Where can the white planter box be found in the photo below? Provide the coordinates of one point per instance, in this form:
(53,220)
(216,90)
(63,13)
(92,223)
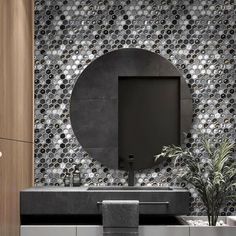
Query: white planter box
(229,230)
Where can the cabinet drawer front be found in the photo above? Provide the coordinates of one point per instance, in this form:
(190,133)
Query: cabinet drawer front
(163,230)
(96,230)
(48,230)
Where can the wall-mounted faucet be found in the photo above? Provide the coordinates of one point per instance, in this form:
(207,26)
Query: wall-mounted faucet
(131,170)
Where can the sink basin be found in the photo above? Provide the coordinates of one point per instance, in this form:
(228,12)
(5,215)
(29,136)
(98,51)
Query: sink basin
(116,188)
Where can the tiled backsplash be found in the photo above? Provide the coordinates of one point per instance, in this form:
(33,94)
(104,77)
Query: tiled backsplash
(198,37)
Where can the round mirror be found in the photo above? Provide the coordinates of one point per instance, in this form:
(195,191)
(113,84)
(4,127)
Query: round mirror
(130,102)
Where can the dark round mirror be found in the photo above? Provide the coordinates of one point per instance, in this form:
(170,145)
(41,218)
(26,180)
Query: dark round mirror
(130,102)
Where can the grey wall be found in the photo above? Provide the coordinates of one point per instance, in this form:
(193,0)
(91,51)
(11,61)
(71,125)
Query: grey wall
(197,38)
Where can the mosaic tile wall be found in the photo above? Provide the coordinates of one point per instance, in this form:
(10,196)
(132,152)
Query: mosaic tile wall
(197,36)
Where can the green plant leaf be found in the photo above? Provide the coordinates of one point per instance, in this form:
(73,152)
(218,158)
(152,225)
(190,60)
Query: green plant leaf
(217,183)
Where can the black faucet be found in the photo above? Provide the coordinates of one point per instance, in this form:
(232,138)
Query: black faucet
(131,170)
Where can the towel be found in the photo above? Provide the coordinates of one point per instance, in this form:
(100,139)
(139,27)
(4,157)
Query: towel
(120,217)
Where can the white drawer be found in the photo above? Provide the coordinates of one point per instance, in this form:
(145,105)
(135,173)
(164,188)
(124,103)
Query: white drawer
(48,230)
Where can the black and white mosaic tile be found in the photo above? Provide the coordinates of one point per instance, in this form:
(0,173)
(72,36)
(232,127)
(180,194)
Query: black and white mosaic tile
(197,36)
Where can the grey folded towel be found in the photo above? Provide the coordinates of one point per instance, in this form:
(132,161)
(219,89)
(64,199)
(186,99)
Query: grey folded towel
(120,217)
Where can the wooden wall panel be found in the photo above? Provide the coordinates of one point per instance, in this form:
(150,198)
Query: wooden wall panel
(15,174)
(16,109)
(16,69)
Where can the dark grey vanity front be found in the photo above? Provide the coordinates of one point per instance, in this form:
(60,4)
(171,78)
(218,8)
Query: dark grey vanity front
(54,204)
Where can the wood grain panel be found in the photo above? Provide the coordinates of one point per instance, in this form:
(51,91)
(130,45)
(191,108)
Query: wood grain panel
(16,69)
(15,175)
(16,109)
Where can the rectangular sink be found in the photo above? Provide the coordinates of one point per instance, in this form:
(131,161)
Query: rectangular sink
(135,188)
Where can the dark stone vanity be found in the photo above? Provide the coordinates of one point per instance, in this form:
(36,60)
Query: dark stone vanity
(55,205)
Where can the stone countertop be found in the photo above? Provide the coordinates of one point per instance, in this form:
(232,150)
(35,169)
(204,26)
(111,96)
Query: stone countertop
(105,188)
(55,189)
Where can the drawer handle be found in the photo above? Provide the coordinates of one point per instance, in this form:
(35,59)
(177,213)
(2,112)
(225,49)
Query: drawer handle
(1,154)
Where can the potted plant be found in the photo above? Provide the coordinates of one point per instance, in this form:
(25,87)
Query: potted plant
(215,180)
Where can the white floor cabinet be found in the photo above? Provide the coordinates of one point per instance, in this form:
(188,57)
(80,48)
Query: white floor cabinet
(144,230)
(48,230)
(149,230)
(93,230)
